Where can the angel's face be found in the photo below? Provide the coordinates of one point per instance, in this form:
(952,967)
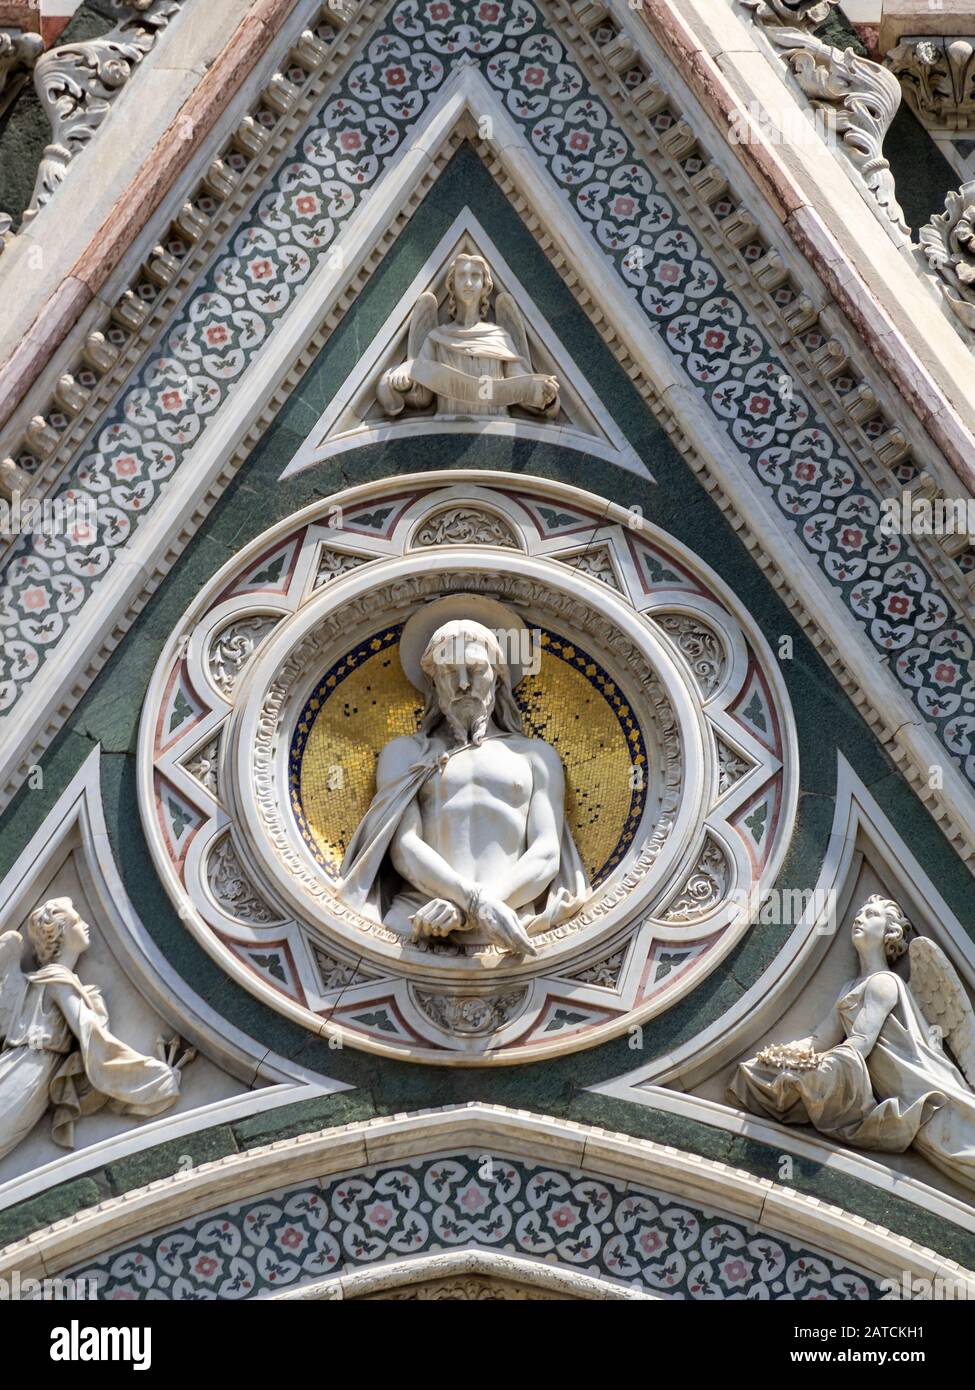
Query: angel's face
(468,280)
(76,936)
(870,926)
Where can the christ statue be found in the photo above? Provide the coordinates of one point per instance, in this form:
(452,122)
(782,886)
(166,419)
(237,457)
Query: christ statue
(466,833)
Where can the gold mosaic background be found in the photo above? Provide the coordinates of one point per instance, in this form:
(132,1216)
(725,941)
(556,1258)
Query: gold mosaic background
(563,704)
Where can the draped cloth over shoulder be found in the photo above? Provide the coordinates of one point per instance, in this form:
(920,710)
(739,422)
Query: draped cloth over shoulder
(366,874)
(101,1069)
(906,1092)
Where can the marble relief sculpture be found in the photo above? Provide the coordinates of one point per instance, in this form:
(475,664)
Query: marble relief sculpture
(468,365)
(55,1045)
(876,1073)
(467,832)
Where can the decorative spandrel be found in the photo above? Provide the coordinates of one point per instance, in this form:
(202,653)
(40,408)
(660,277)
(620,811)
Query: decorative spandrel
(892,1066)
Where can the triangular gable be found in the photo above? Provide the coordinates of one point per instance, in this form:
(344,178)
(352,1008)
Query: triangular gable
(354,417)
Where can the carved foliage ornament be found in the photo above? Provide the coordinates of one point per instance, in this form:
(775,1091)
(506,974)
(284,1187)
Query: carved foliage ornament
(233,647)
(705,888)
(232,888)
(948,242)
(700,646)
(858,97)
(472,1014)
(465,526)
(596,563)
(806,14)
(77,84)
(937,77)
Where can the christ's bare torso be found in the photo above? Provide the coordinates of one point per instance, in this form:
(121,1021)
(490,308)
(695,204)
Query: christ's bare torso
(487,821)
(475,812)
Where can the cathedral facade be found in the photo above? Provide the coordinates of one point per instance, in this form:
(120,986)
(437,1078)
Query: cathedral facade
(487,614)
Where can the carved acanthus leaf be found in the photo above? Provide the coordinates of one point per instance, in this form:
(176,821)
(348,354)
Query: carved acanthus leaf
(232,889)
(233,648)
(937,77)
(203,765)
(706,887)
(605,973)
(333,563)
(597,563)
(340,974)
(804,14)
(701,647)
(470,1015)
(948,242)
(465,526)
(731,766)
(857,97)
(77,84)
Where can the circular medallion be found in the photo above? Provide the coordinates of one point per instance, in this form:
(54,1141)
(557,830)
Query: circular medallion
(543,834)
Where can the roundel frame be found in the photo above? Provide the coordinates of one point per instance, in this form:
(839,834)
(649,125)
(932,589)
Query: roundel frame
(693,668)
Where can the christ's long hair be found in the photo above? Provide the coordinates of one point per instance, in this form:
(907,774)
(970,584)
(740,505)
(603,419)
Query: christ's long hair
(505,710)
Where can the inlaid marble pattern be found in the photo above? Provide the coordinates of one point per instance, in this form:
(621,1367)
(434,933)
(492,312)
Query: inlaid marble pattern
(819,488)
(560,1216)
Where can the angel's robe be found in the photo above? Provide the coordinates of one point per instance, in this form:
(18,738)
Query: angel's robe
(77,1068)
(907,1092)
(475,357)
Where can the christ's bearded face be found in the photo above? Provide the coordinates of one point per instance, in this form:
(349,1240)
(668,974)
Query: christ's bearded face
(464,678)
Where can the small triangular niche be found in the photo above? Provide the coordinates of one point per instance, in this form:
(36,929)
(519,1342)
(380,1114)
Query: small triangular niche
(355,415)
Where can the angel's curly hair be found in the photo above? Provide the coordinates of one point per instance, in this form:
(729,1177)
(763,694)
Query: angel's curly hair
(898,927)
(45,928)
(488,284)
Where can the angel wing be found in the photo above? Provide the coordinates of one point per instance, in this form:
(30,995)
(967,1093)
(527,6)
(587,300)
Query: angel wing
(423,320)
(13,983)
(510,318)
(944,1001)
